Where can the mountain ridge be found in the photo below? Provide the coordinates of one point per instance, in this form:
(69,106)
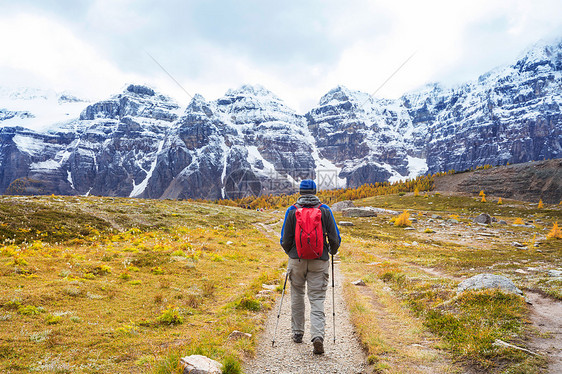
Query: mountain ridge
(140,143)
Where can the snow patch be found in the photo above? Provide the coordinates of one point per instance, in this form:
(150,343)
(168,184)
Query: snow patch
(28,144)
(254,156)
(139,189)
(69,178)
(327,173)
(224,165)
(417,166)
(45,165)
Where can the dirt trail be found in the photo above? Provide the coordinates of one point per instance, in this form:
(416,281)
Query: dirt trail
(546,316)
(287,357)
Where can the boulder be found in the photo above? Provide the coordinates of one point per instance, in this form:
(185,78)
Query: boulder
(358,212)
(358,282)
(346,223)
(384,211)
(264,293)
(486,281)
(234,335)
(341,205)
(555,273)
(197,364)
(483,218)
(436,216)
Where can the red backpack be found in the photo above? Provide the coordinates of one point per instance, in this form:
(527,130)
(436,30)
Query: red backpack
(308,232)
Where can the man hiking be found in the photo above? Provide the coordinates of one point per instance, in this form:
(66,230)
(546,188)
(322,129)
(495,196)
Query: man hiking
(309,235)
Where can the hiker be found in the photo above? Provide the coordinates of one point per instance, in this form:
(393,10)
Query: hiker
(313,272)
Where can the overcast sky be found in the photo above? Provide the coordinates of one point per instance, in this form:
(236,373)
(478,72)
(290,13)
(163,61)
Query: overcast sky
(297,49)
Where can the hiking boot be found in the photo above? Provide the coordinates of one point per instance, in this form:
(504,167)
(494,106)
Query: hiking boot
(318,344)
(297,337)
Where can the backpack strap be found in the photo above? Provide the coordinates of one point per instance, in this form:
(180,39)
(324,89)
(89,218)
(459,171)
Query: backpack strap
(298,206)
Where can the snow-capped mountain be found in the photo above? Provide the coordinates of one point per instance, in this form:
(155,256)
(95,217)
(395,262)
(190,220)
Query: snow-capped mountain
(141,144)
(37,108)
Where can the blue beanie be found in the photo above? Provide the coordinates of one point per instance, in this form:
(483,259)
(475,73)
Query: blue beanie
(307,187)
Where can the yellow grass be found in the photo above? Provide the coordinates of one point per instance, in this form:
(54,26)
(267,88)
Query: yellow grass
(123,301)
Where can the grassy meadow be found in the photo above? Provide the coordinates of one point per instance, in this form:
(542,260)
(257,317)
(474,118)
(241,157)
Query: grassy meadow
(95,285)
(411,273)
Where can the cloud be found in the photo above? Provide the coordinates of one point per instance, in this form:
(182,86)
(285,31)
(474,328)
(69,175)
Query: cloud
(453,41)
(41,52)
(299,50)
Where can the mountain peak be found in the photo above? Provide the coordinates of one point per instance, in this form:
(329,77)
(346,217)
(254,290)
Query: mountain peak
(199,104)
(253,90)
(139,89)
(343,94)
(543,55)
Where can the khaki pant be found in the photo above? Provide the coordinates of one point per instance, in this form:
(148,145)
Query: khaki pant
(315,275)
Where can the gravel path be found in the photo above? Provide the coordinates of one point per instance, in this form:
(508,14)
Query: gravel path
(346,356)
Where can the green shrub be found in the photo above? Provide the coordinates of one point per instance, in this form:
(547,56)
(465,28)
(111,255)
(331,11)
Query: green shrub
(125,275)
(101,270)
(231,366)
(170,316)
(51,320)
(249,303)
(29,310)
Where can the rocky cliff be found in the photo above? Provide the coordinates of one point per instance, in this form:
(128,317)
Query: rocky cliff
(140,143)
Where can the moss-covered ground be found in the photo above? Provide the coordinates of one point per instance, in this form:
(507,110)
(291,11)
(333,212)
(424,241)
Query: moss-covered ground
(420,265)
(96,284)
(92,284)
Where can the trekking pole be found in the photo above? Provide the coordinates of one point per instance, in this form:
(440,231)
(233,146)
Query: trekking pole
(280,304)
(333,302)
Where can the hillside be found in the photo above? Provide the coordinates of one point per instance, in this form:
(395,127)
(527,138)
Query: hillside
(529,181)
